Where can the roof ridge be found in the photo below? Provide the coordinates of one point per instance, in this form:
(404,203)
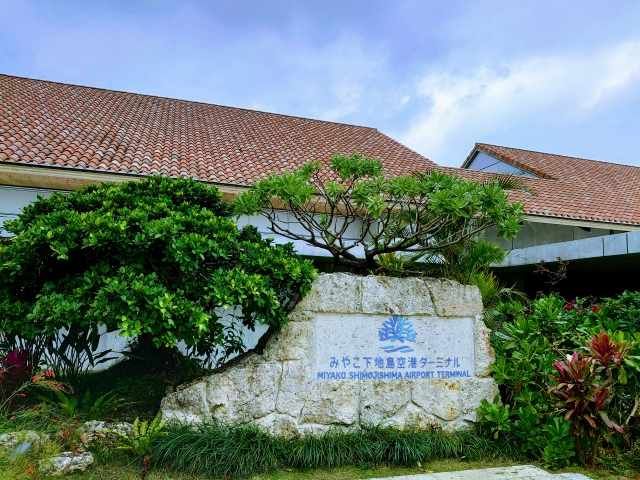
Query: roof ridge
(402,145)
(199,102)
(557,155)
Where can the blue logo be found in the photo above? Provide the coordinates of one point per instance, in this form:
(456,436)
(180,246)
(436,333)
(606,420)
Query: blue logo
(397,329)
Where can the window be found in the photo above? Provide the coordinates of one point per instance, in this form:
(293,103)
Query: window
(483,162)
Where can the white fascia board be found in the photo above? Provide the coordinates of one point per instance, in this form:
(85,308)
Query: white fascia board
(595,247)
(580,223)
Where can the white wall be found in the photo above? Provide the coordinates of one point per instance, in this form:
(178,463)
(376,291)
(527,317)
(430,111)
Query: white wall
(287,220)
(535,233)
(14,199)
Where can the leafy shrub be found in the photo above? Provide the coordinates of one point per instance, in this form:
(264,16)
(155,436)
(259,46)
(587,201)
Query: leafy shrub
(87,406)
(470,263)
(368,221)
(158,259)
(521,425)
(596,388)
(621,313)
(559,449)
(495,419)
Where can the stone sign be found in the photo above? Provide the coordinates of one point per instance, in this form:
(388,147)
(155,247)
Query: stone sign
(357,351)
(392,347)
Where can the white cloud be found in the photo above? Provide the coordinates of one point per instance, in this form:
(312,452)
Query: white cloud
(465,107)
(333,80)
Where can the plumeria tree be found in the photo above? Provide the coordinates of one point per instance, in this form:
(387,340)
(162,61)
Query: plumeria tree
(367,220)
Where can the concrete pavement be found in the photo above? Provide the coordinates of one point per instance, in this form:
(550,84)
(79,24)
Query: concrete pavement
(519,472)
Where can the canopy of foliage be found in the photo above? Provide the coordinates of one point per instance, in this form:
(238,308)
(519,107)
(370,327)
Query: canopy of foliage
(367,220)
(569,375)
(158,259)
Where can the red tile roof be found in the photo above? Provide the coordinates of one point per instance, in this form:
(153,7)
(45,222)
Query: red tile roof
(574,188)
(53,124)
(58,125)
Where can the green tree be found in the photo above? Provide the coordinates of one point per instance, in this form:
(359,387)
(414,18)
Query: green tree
(158,259)
(366,220)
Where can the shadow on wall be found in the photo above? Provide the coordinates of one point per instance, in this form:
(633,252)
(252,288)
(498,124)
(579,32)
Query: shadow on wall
(119,345)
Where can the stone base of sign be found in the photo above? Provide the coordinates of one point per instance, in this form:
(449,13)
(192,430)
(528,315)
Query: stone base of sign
(283,390)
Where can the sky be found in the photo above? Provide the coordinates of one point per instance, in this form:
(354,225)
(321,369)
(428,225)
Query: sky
(556,76)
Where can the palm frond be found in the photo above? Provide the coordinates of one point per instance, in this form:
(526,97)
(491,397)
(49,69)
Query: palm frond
(509,182)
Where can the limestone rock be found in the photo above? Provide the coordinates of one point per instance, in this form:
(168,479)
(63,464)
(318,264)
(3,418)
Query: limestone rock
(97,431)
(411,416)
(452,299)
(294,388)
(279,424)
(187,404)
(380,401)
(440,398)
(22,442)
(291,343)
(334,404)
(484,351)
(473,392)
(334,293)
(66,462)
(411,296)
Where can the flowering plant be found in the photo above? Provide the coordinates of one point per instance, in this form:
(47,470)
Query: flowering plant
(15,370)
(17,377)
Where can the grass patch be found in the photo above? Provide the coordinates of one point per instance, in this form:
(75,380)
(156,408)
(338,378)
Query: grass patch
(224,451)
(38,417)
(25,466)
(221,452)
(122,471)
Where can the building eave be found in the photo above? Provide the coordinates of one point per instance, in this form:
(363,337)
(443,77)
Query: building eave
(627,243)
(581,223)
(60,178)
(470,157)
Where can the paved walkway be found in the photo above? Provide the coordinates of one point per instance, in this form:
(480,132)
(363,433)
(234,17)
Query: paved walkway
(520,472)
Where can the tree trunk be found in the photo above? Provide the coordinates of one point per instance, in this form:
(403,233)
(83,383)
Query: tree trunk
(156,358)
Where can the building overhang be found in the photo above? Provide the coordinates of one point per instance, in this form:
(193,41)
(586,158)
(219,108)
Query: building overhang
(580,223)
(58,178)
(627,243)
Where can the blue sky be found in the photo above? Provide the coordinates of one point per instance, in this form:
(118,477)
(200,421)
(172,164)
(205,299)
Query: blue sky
(554,76)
